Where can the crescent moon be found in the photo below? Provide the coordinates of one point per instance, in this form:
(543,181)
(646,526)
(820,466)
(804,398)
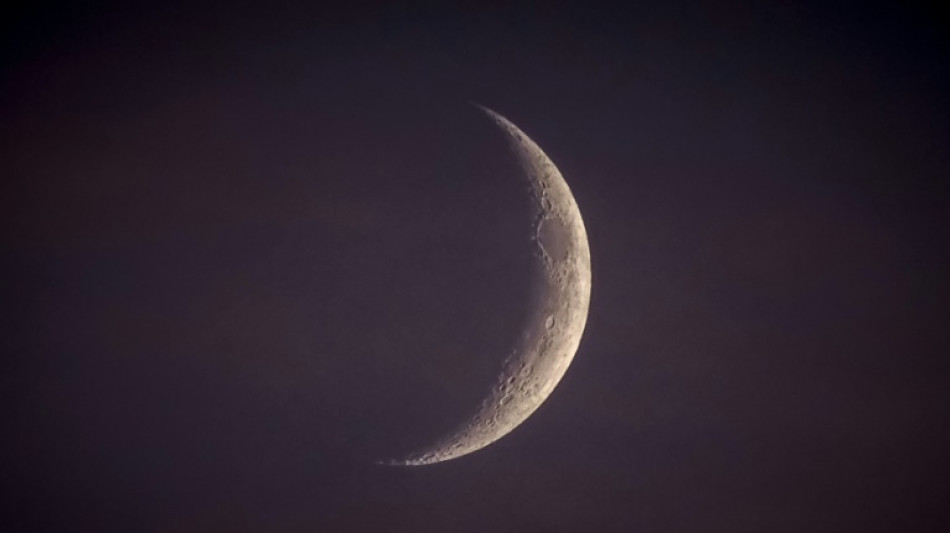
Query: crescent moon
(560,298)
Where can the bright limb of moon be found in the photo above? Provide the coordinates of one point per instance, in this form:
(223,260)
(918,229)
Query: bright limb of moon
(560,298)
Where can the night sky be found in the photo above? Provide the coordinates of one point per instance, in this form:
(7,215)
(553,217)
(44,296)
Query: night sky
(249,249)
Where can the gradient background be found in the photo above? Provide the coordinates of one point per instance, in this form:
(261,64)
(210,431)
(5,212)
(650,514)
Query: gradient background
(248,249)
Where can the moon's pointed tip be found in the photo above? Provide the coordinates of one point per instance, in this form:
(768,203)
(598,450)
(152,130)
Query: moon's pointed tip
(487,110)
(413,460)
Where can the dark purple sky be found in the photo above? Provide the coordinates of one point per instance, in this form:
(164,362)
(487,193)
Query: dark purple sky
(249,249)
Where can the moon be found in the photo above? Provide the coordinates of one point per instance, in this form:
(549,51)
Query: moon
(560,297)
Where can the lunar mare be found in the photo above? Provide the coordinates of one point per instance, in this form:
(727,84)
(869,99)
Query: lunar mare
(560,296)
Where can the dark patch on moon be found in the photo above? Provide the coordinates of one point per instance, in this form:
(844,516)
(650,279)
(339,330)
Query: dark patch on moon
(553,238)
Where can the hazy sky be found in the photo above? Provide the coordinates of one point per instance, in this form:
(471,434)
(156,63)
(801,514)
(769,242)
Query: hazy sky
(249,249)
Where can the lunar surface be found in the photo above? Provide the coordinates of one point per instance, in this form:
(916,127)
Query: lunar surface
(560,296)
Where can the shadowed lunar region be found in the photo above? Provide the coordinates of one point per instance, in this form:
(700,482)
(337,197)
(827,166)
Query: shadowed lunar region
(560,297)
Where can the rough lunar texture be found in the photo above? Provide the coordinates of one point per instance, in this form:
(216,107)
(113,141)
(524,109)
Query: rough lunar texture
(561,295)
